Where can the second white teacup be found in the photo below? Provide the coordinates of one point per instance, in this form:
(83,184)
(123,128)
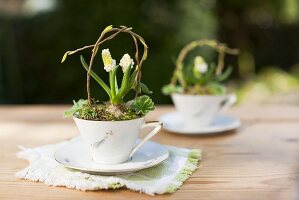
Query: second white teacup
(200,110)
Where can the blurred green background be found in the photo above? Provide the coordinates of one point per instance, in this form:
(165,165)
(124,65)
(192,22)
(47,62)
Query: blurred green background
(34,34)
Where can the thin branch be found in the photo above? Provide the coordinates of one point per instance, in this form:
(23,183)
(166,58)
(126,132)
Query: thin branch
(83,48)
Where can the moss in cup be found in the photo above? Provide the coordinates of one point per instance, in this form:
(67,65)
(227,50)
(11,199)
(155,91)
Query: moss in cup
(116,109)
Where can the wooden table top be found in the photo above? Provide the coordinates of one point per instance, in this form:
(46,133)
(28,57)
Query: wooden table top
(259,161)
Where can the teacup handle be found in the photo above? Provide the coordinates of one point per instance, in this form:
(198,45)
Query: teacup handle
(158,127)
(230,100)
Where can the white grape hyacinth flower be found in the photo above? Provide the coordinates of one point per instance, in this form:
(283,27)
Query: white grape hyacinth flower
(200,64)
(126,61)
(109,63)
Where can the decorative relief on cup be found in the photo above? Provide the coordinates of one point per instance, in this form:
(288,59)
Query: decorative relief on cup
(99,143)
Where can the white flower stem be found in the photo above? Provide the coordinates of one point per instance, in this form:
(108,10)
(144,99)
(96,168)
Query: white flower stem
(112,76)
(124,86)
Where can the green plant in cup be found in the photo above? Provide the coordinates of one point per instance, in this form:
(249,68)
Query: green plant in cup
(199,77)
(129,79)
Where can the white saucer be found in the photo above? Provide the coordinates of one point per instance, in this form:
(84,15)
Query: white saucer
(174,122)
(76,156)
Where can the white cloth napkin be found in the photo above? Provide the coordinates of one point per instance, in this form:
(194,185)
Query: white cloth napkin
(166,177)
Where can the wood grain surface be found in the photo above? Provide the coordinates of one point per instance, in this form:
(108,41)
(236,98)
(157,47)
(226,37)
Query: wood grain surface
(258,161)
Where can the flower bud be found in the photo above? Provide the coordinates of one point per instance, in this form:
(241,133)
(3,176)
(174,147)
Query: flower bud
(200,64)
(126,61)
(109,63)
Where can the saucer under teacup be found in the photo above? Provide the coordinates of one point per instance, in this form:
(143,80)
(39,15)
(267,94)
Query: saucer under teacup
(175,122)
(76,156)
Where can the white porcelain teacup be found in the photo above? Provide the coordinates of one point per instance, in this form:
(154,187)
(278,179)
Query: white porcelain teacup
(200,110)
(114,142)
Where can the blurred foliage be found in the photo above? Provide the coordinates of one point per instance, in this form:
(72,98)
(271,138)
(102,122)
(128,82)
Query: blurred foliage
(265,31)
(30,65)
(31,46)
(269,82)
